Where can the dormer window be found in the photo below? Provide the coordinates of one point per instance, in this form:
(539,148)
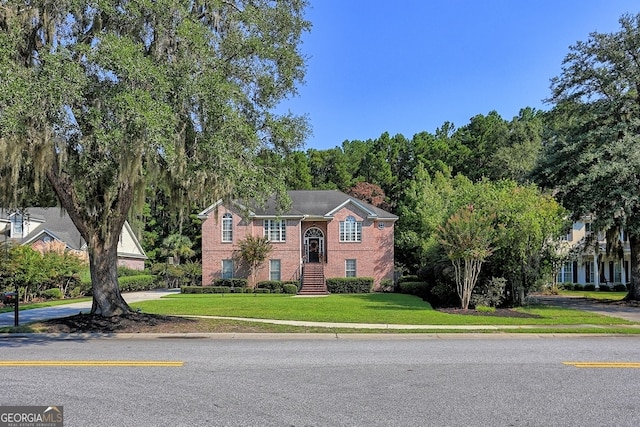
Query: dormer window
(17,225)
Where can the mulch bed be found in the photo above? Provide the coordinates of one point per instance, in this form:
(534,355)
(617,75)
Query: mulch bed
(500,312)
(126,323)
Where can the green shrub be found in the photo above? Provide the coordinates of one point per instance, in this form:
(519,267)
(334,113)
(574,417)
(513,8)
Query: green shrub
(290,288)
(567,286)
(232,283)
(80,290)
(589,287)
(139,283)
(126,271)
(485,309)
(261,291)
(604,288)
(578,287)
(53,293)
(419,289)
(620,288)
(247,290)
(409,278)
(386,285)
(85,276)
(443,294)
(210,290)
(490,294)
(350,285)
(272,285)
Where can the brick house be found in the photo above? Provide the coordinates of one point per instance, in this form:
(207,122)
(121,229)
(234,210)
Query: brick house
(41,225)
(324,234)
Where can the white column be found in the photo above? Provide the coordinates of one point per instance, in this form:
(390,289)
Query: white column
(596,270)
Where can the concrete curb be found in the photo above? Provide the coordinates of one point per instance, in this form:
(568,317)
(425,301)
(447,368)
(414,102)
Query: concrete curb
(18,339)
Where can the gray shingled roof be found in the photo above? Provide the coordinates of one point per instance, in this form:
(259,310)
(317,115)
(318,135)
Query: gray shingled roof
(56,223)
(318,203)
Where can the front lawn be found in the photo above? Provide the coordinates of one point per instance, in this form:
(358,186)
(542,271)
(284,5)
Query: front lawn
(356,308)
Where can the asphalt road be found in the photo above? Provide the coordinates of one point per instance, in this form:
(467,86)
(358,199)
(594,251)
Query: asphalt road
(275,380)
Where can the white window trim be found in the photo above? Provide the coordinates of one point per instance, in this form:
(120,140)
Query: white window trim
(354,231)
(17,219)
(347,270)
(271,270)
(275,228)
(227,220)
(223,270)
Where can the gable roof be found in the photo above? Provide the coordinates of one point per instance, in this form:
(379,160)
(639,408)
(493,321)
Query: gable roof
(310,204)
(56,223)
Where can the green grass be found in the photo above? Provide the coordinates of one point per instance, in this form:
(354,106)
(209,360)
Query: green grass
(358,308)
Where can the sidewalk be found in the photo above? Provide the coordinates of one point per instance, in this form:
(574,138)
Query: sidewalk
(39,314)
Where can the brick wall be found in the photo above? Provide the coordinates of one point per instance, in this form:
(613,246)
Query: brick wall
(373,255)
(214,250)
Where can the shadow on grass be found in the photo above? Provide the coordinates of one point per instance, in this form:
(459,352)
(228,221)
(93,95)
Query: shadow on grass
(387,301)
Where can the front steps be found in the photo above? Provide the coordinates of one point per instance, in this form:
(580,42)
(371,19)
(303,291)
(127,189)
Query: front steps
(313,282)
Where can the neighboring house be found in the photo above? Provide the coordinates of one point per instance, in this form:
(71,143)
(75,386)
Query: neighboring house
(590,263)
(40,225)
(324,234)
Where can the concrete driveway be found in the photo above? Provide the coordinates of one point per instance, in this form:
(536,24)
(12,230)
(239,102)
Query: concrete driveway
(39,314)
(627,312)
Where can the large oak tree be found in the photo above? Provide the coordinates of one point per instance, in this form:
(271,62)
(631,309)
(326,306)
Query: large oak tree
(592,156)
(100,97)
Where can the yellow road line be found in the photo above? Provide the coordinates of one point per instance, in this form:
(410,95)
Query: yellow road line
(92,363)
(603,364)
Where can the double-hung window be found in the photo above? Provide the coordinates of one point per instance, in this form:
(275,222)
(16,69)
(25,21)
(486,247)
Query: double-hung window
(350,230)
(350,268)
(227,269)
(566,273)
(227,227)
(275,230)
(274,269)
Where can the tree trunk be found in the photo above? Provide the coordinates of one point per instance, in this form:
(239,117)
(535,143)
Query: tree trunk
(103,264)
(102,234)
(634,283)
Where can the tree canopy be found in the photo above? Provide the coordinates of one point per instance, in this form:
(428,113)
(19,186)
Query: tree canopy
(99,98)
(592,154)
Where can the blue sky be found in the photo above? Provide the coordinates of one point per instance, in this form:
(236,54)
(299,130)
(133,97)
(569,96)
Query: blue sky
(407,66)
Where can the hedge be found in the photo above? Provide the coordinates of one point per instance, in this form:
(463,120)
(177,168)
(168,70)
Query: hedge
(272,285)
(277,286)
(212,290)
(289,288)
(620,288)
(232,283)
(52,293)
(141,282)
(419,289)
(350,285)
